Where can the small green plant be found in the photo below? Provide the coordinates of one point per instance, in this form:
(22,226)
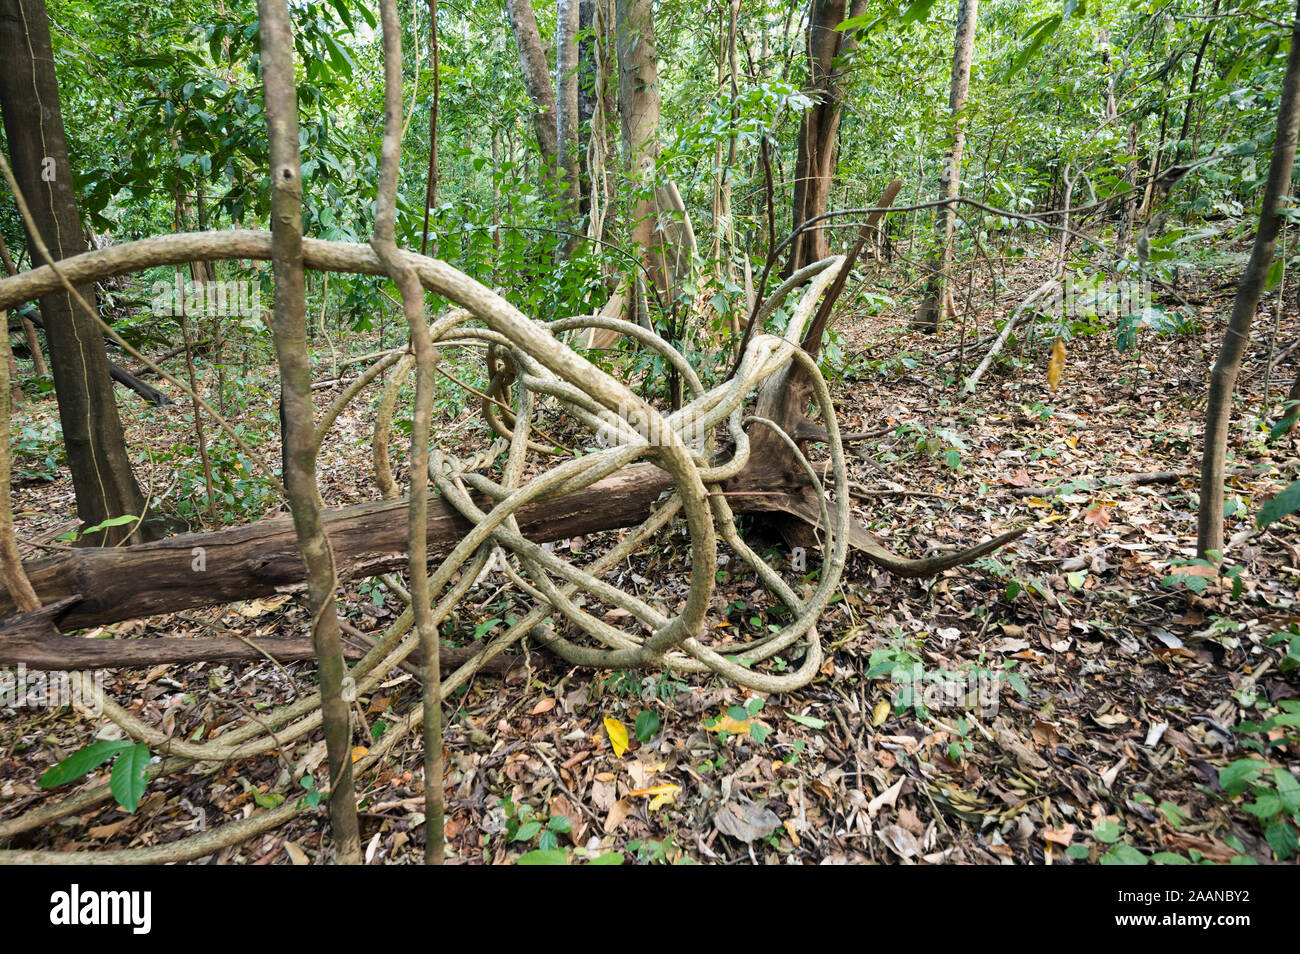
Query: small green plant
(1275,800)
(742,716)
(1291,637)
(312,798)
(523,824)
(127,781)
(651,852)
(1184,573)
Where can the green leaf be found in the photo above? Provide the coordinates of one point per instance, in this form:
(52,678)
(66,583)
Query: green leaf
(555,856)
(1124,855)
(809,721)
(79,763)
(1041,33)
(609,858)
(560,823)
(1234,778)
(128,781)
(1107,832)
(1281,837)
(1288,790)
(529,831)
(1274,273)
(647,724)
(1169,858)
(1287,502)
(918,10)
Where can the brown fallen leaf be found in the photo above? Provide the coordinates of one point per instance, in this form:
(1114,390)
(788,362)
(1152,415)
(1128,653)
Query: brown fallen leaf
(1028,760)
(745,820)
(1061,836)
(618,813)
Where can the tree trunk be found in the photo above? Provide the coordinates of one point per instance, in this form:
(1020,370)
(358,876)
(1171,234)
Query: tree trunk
(945,220)
(29,100)
(819,125)
(566,103)
(537,81)
(638,103)
(1223,379)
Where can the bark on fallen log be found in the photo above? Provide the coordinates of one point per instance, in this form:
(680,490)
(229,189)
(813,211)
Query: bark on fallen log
(203,569)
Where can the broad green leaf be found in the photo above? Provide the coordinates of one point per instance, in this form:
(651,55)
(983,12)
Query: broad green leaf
(1286,502)
(555,856)
(918,10)
(1235,777)
(1107,832)
(809,721)
(1124,855)
(128,781)
(79,763)
(647,724)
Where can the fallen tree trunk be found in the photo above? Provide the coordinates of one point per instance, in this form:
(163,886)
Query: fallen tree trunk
(96,586)
(202,569)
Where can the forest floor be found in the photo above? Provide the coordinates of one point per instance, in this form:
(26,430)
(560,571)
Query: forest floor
(1110,683)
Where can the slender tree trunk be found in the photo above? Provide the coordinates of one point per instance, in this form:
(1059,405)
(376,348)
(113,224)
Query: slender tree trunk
(605,133)
(932,305)
(289,324)
(566,102)
(1183,148)
(431,181)
(1223,379)
(819,125)
(92,431)
(638,101)
(537,81)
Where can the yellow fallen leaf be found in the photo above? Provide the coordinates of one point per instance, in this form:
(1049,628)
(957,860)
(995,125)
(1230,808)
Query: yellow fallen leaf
(727,724)
(359,752)
(1057,365)
(654,790)
(665,794)
(617,732)
(881,712)
(788,825)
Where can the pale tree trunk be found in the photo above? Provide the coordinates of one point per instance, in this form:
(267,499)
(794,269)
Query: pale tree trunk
(933,304)
(289,324)
(819,126)
(92,431)
(603,155)
(638,101)
(566,101)
(727,63)
(537,81)
(1223,379)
